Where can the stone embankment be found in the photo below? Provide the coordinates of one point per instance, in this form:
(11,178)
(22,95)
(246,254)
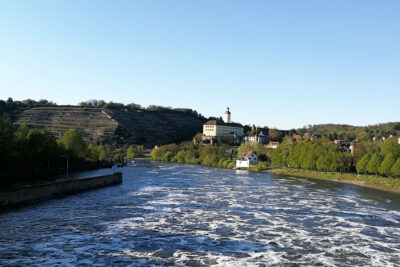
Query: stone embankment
(35,193)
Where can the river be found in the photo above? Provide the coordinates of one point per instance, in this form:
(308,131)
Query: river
(170,214)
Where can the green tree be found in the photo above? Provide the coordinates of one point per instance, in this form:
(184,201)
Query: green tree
(73,141)
(386,165)
(280,155)
(390,146)
(324,162)
(361,166)
(210,155)
(295,158)
(341,161)
(275,135)
(374,163)
(395,170)
(134,151)
(168,156)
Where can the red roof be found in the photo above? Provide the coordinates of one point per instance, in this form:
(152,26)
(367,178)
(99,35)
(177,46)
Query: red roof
(273,144)
(211,122)
(215,122)
(248,153)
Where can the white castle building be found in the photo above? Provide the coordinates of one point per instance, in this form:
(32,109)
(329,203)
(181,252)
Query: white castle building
(216,128)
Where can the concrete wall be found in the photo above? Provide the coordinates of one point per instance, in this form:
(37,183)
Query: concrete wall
(35,193)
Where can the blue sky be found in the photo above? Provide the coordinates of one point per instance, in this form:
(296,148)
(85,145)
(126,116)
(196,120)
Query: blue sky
(282,64)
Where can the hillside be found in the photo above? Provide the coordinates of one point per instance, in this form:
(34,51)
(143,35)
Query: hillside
(101,125)
(349,132)
(157,127)
(94,124)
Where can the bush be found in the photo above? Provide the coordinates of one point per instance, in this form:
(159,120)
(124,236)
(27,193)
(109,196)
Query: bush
(231,165)
(167,156)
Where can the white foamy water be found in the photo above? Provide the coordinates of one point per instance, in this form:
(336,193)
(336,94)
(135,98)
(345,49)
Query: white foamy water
(167,214)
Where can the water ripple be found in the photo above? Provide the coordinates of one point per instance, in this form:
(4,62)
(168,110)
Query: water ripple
(166,214)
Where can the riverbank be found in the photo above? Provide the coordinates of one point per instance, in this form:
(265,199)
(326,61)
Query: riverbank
(39,192)
(380,183)
(371,181)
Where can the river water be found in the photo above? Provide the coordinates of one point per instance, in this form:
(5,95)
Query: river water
(169,214)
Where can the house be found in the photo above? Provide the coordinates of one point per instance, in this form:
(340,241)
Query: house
(260,137)
(337,141)
(273,145)
(296,136)
(213,129)
(249,158)
(351,147)
(307,136)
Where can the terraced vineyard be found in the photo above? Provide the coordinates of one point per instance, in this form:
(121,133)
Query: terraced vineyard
(99,125)
(94,124)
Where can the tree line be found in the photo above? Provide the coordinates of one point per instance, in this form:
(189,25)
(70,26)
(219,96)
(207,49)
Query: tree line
(136,107)
(32,154)
(219,155)
(368,157)
(13,108)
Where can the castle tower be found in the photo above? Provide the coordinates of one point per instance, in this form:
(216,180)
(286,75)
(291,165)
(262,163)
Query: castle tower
(227,116)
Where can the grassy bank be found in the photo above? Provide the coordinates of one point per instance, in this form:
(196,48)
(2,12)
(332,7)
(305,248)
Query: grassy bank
(380,183)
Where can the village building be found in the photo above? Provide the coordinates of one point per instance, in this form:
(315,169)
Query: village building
(248,159)
(337,141)
(296,136)
(260,137)
(213,129)
(273,145)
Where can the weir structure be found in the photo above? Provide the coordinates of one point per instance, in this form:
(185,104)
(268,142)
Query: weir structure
(36,193)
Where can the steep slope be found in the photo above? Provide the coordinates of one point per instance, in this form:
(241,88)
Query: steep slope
(94,124)
(115,126)
(157,127)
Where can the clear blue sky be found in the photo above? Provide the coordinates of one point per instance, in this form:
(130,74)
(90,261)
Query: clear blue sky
(282,64)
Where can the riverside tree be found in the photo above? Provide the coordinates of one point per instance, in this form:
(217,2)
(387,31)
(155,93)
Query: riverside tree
(73,140)
(374,163)
(361,166)
(386,165)
(395,170)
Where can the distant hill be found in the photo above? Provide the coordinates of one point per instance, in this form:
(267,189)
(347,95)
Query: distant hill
(101,125)
(349,132)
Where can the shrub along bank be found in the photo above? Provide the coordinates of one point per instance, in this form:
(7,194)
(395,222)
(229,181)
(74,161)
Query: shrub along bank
(220,155)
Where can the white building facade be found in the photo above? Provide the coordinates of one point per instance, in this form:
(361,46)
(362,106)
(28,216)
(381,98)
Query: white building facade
(248,159)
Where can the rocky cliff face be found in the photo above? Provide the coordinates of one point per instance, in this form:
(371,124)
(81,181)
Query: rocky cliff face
(108,126)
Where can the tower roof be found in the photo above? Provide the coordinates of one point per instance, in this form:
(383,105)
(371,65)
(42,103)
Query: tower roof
(227,111)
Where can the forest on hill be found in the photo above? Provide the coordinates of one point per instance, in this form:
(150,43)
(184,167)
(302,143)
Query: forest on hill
(351,133)
(108,123)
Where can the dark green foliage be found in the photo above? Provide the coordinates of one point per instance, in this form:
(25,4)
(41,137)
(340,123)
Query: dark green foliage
(14,108)
(29,154)
(341,161)
(275,135)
